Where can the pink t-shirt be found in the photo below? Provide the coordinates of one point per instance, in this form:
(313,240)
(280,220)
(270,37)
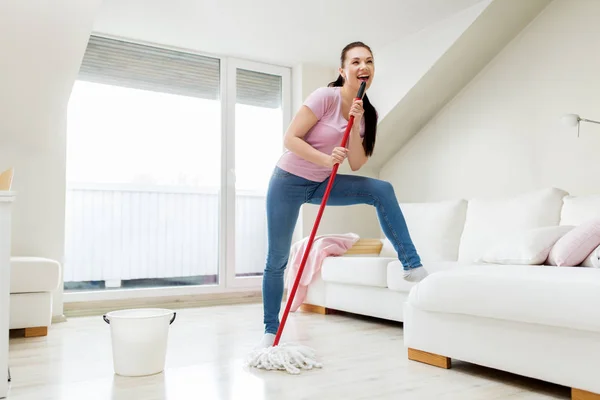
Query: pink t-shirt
(327,133)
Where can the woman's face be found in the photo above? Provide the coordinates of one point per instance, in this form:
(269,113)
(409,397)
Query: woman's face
(358,67)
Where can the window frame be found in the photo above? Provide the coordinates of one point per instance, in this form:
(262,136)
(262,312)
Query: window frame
(228,282)
(232,281)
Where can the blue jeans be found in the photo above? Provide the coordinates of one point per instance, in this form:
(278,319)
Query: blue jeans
(286,194)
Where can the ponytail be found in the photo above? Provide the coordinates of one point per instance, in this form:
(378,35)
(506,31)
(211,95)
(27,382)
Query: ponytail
(370,117)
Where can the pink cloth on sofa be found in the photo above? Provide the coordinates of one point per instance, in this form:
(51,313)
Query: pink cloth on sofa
(323,246)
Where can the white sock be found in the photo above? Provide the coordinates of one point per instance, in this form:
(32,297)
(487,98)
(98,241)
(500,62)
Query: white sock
(266,341)
(415,274)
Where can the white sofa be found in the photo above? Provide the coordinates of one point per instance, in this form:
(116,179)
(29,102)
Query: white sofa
(505,315)
(32,282)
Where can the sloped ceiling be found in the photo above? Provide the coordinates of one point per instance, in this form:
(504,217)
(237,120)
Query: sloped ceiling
(499,23)
(42,45)
(281,32)
(426,50)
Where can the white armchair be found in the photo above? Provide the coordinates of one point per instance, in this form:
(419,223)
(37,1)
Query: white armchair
(32,281)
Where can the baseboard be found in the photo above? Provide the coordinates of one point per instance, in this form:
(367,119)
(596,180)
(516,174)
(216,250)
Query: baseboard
(93,308)
(56,319)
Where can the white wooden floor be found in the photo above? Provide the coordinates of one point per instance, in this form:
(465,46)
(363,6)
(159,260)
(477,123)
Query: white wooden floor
(363,359)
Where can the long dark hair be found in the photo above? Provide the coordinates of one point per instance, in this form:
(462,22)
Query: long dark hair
(370,114)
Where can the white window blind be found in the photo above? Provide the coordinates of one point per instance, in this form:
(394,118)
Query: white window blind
(258,89)
(138,66)
(121,63)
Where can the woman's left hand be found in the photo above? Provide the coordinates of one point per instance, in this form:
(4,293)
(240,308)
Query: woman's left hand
(357,110)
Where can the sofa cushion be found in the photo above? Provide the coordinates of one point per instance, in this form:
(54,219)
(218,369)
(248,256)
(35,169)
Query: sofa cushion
(557,296)
(365,271)
(489,220)
(579,209)
(435,228)
(33,274)
(396,282)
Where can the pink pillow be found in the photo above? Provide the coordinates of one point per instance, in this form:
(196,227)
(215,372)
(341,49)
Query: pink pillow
(575,246)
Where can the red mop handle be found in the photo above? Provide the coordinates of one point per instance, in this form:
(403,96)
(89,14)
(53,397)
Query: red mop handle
(359,96)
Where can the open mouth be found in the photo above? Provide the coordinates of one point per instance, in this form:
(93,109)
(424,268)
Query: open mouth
(363,78)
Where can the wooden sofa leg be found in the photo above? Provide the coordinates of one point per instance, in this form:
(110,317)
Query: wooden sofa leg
(578,394)
(29,332)
(316,309)
(429,358)
(37,331)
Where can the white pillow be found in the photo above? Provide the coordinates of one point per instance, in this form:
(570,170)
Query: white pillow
(491,219)
(435,228)
(529,247)
(580,209)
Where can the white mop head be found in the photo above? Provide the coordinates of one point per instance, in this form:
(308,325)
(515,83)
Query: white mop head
(286,357)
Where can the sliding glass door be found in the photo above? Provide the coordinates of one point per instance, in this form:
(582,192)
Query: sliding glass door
(259,112)
(168,158)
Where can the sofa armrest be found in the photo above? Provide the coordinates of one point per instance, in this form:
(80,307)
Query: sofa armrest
(365,246)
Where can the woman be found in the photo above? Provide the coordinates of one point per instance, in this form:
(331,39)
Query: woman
(303,171)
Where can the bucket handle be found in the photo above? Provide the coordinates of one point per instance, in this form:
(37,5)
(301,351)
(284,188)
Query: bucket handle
(108,321)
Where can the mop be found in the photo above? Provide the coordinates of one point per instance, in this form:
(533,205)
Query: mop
(288,356)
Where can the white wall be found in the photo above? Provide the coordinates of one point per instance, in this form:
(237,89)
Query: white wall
(42,44)
(502,135)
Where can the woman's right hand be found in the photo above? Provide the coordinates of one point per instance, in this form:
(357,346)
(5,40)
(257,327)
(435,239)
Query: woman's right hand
(338,155)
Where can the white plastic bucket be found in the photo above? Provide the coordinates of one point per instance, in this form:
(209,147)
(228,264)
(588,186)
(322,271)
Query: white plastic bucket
(139,340)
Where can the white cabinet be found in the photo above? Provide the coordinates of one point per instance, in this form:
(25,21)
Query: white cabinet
(6,199)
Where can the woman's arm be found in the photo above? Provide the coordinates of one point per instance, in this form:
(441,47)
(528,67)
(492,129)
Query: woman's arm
(356,154)
(294,139)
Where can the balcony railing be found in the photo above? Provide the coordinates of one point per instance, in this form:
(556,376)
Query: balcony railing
(124,232)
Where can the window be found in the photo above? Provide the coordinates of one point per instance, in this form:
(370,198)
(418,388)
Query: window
(165,184)
(258,142)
